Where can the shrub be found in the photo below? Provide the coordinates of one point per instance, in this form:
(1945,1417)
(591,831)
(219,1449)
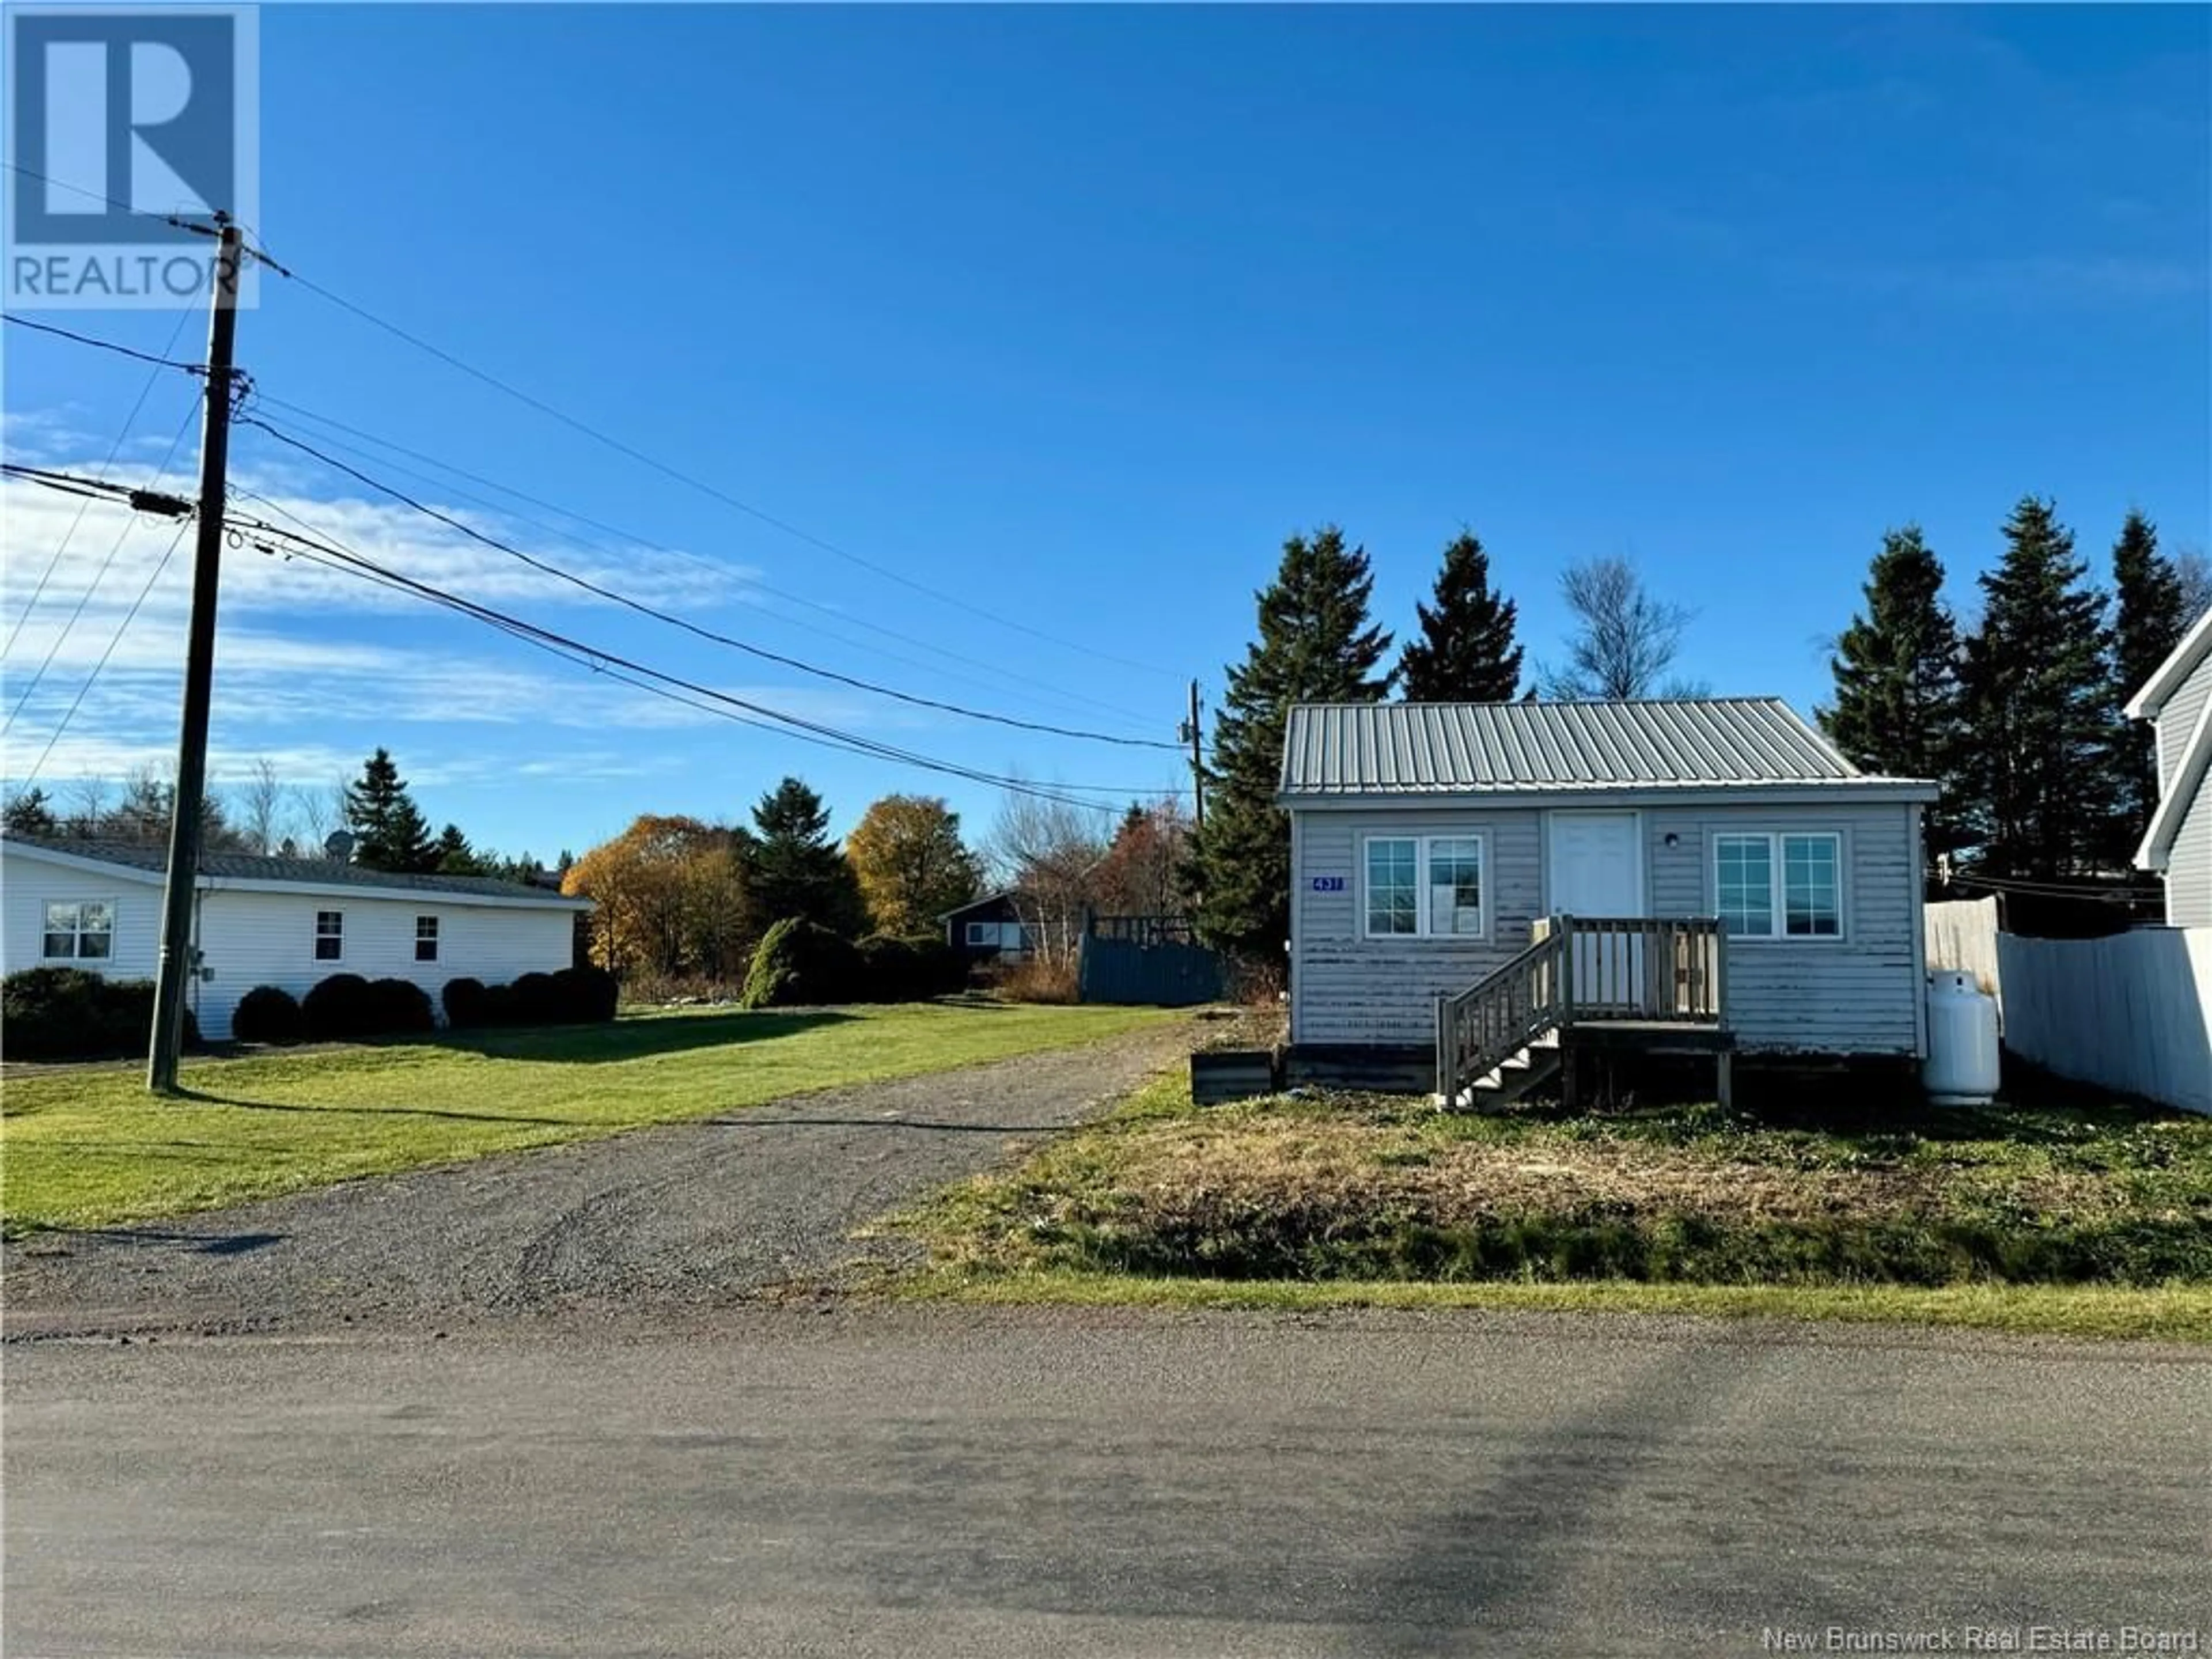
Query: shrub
(501,1007)
(586,996)
(268,1013)
(400,1007)
(890,971)
(466,1003)
(339,1009)
(537,999)
(66,1013)
(800,963)
(1037,980)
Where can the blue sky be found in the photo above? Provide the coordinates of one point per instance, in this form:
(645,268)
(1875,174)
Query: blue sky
(1075,314)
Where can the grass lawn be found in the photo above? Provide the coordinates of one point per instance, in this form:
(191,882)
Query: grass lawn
(90,1148)
(2091,1221)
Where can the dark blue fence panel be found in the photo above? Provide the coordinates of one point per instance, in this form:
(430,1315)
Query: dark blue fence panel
(1167,976)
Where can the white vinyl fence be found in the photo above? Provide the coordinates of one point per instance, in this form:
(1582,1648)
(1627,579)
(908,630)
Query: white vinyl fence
(1962,933)
(2131,1012)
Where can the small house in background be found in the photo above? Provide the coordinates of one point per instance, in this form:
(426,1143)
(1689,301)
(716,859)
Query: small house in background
(286,923)
(990,929)
(2177,703)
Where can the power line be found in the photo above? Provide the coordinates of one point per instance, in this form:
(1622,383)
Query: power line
(121,629)
(99,575)
(671,619)
(720,567)
(115,346)
(692,482)
(114,449)
(600,660)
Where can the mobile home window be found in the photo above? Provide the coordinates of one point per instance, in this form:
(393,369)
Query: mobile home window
(329,935)
(426,938)
(982,932)
(1805,901)
(1429,886)
(82,932)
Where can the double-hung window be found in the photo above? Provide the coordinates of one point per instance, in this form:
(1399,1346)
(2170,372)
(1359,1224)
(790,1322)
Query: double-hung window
(426,938)
(80,932)
(1779,886)
(330,936)
(1424,886)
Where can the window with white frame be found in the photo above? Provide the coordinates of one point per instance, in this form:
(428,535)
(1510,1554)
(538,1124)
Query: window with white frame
(426,938)
(82,931)
(329,935)
(1777,885)
(982,932)
(1430,886)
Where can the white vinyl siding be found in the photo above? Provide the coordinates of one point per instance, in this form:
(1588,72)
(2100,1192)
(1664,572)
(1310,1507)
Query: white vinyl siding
(81,931)
(1857,992)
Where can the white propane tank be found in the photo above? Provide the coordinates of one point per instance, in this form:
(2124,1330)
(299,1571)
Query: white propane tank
(1962,1042)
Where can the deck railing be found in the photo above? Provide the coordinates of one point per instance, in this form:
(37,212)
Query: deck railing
(1671,970)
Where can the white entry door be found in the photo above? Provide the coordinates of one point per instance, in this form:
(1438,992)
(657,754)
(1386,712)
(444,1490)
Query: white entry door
(1596,870)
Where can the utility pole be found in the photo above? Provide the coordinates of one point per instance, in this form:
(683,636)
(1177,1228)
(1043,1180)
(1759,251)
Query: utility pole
(176,965)
(1196,734)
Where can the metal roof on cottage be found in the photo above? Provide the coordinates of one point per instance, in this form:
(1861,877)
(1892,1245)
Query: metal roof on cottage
(1475,748)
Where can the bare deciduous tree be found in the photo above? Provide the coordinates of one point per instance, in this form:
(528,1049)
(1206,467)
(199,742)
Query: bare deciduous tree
(1626,637)
(2195,571)
(1047,851)
(317,812)
(261,808)
(87,805)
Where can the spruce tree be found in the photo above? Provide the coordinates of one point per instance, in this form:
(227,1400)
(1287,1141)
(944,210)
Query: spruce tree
(2148,622)
(389,833)
(1896,709)
(1316,645)
(2039,706)
(794,869)
(1466,651)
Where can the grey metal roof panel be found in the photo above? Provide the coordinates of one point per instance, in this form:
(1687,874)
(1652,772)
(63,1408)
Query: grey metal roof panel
(1463,748)
(248,866)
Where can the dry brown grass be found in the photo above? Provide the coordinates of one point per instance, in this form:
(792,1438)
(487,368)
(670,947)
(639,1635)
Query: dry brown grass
(1037,980)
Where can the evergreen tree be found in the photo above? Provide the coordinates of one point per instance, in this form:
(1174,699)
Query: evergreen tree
(389,833)
(2039,707)
(31,814)
(794,869)
(1896,710)
(1316,645)
(2148,623)
(455,857)
(1466,651)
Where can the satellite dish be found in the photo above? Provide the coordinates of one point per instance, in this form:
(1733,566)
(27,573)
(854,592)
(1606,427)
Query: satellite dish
(339,845)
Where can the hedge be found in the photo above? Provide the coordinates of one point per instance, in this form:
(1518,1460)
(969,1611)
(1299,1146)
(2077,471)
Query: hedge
(894,970)
(575,996)
(399,1007)
(66,1013)
(268,1013)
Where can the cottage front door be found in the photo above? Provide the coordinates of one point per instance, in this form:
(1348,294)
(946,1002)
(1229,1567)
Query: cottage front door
(1596,870)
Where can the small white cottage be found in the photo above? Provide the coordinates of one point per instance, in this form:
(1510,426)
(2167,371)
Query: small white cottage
(287,922)
(1496,882)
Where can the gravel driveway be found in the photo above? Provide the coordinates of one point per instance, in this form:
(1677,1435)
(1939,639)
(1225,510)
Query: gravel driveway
(686,1216)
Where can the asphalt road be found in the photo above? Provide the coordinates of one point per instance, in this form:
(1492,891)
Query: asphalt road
(930,1483)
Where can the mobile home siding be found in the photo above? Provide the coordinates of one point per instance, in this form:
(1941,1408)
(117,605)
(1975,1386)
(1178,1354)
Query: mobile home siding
(1859,994)
(31,884)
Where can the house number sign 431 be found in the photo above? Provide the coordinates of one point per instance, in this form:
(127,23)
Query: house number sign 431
(1328,883)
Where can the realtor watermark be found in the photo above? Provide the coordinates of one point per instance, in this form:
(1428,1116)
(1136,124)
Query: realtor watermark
(1982,1639)
(126,126)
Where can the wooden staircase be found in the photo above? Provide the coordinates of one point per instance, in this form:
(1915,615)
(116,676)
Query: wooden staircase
(1652,983)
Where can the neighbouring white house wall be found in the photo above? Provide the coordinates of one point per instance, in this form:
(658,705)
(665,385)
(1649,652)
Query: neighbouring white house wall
(1860,994)
(250,938)
(2131,1012)
(1962,934)
(28,885)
